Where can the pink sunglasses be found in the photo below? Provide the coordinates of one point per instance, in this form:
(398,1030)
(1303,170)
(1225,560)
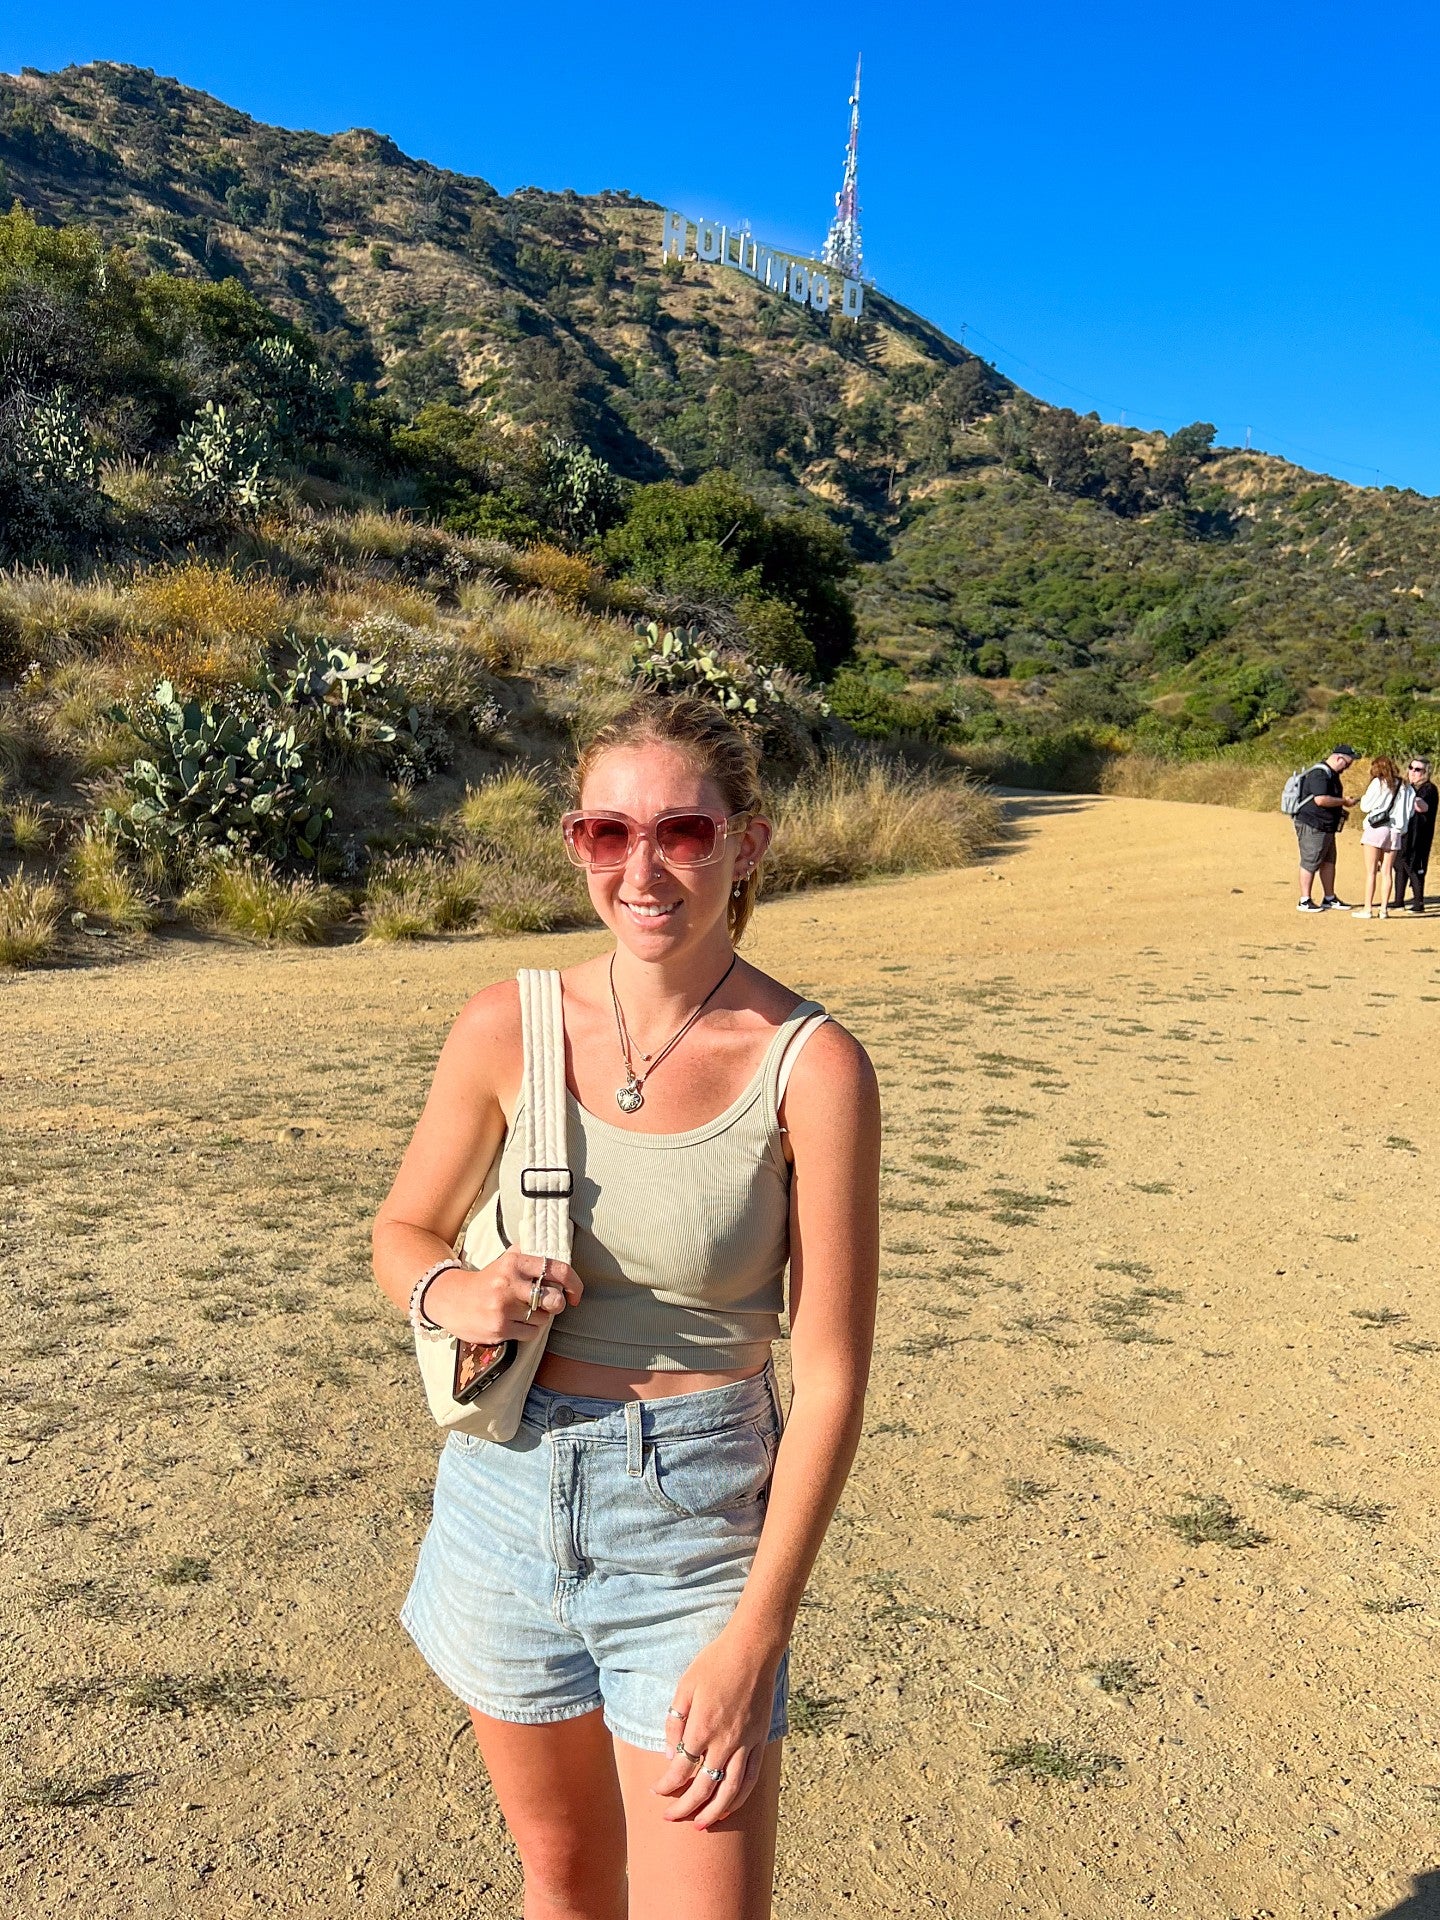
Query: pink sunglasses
(681,836)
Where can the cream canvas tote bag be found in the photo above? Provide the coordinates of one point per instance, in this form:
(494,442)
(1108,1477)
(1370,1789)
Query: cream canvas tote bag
(546,1184)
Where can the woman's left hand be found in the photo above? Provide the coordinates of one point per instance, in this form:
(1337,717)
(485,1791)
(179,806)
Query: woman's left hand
(726,1697)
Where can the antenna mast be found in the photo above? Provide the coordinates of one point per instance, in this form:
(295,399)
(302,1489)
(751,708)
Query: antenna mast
(842,243)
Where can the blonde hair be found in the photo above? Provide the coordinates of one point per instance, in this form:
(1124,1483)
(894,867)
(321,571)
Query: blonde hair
(714,745)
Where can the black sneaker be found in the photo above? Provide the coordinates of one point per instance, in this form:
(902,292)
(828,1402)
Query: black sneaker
(1309,906)
(1331,900)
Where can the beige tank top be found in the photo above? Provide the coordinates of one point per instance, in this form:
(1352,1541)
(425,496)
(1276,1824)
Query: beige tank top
(681,1239)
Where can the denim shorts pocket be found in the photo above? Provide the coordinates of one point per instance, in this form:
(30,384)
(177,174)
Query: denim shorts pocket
(696,1474)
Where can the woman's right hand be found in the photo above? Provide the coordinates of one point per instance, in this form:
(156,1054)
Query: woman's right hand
(489,1304)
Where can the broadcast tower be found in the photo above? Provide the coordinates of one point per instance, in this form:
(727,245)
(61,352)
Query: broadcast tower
(842,243)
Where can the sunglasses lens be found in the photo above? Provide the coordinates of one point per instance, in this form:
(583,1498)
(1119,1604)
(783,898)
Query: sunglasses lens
(599,842)
(686,839)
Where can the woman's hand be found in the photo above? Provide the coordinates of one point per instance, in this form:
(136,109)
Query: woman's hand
(721,1716)
(489,1304)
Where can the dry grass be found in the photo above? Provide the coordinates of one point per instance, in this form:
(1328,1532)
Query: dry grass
(31,826)
(258,903)
(852,819)
(523,635)
(102,884)
(203,626)
(508,812)
(1214,783)
(29,916)
(54,617)
(490,890)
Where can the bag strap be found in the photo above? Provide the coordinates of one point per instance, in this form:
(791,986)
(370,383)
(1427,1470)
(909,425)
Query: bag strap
(546,1182)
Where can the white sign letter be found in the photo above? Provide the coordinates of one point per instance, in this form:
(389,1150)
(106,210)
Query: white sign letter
(707,240)
(674,238)
(820,292)
(854,299)
(799,283)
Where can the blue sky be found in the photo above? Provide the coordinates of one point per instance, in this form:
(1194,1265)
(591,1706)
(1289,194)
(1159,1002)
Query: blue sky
(1225,214)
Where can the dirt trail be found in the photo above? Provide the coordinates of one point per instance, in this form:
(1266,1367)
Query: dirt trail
(1159,1230)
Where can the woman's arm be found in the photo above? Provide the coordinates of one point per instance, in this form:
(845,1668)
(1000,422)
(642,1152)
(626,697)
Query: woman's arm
(456,1137)
(832,1113)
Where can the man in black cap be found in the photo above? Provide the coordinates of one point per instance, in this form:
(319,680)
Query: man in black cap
(1414,855)
(1318,818)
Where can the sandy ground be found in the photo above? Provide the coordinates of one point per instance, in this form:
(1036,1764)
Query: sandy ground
(1160,1228)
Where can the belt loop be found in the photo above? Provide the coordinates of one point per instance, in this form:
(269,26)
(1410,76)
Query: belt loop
(634,1440)
(774,1386)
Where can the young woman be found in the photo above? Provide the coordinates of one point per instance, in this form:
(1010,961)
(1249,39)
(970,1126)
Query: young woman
(1389,802)
(612,1592)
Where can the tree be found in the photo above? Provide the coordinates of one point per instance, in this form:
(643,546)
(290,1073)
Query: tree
(1061,446)
(1185,452)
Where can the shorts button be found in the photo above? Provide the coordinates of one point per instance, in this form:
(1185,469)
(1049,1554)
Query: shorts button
(564,1417)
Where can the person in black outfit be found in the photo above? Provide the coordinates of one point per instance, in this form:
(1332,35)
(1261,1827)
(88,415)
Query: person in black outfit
(1414,854)
(1319,817)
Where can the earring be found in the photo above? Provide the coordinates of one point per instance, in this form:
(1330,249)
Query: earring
(739,887)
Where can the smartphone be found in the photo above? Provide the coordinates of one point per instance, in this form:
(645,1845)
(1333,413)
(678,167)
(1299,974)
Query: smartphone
(476,1365)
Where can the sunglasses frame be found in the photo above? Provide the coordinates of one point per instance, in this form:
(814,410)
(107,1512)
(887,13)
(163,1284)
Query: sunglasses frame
(725,825)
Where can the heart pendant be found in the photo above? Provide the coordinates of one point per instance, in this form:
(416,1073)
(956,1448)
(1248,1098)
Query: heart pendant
(629,1098)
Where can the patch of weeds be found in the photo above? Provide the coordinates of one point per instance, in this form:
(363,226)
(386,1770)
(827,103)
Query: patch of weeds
(1347,1239)
(1027,1493)
(1211,1521)
(97,1598)
(812,1712)
(1416,1346)
(958,1519)
(1329,1440)
(1081,1157)
(1379,1316)
(1364,1513)
(1120,1678)
(1125,1316)
(1283,1490)
(1132,1269)
(1017,1208)
(75,1790)
(312,1486)
(1389,1606)
(1155,1113)
(1053,1760)
(1152,1186)
(1082,1444)
(55,1517)
(921,1343)
(231,1691)
(906,1246)
(943,1162)
(900,1428)
(1399,1144)
(183,1570)
(892,1607)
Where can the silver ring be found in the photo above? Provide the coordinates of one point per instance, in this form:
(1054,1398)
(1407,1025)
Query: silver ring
(685,1753)
(674,1713)
(715,1773)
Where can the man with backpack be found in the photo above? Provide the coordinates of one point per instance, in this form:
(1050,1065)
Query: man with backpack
(1319,813)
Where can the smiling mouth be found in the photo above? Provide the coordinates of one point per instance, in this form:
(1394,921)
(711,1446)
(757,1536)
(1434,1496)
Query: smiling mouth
(649,913)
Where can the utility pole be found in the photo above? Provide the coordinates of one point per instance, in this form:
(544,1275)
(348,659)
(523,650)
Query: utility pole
(842,244)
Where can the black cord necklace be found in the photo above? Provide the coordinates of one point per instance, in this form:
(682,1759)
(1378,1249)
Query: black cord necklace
(631,1097)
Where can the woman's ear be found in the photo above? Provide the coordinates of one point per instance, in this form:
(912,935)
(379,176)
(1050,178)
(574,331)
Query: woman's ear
(753,842)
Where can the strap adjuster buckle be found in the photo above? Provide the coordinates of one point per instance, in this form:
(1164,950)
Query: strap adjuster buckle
(547,1193)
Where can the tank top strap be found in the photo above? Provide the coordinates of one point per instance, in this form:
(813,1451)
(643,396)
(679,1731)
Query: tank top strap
(775,1058)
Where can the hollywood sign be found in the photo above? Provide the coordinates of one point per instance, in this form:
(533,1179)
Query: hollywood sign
(807,285)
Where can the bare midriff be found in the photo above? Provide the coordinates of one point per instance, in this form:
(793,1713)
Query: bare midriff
(587,1381)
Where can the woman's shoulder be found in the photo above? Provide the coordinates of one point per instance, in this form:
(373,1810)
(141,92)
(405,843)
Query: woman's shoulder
(485,1040)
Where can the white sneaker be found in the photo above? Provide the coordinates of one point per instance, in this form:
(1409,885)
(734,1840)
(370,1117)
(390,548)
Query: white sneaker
(1362,913)
(1384,913)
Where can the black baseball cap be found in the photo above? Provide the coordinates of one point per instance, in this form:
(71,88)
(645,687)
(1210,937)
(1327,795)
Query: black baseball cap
(1349,752)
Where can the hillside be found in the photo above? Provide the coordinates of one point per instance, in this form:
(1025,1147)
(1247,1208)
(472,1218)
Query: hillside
(1023,569)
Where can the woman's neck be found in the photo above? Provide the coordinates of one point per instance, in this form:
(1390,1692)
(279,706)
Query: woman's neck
(653,991)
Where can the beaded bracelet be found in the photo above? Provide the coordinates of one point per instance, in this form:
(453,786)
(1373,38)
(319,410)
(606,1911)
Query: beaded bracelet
(424,1327)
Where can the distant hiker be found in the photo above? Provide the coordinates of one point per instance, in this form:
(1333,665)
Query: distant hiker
(1388,804)
(1318,818)
(1414,855)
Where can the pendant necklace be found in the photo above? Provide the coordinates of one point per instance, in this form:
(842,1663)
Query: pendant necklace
(631,1097)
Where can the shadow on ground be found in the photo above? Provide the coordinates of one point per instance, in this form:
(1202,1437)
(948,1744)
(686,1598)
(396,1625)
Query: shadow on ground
(1421,1903)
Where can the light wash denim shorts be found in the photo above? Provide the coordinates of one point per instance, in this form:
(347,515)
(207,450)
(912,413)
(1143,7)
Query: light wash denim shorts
(587,1561)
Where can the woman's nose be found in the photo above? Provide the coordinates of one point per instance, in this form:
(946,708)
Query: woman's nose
(641,867)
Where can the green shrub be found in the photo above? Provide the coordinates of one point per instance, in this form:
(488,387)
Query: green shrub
(217,781)
(789,715)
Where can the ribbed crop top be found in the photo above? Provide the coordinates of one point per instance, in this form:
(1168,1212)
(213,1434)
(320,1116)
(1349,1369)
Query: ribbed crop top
(681,1239)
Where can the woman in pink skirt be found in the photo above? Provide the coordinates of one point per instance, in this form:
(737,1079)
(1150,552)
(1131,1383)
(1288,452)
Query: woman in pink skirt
(1385,807)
